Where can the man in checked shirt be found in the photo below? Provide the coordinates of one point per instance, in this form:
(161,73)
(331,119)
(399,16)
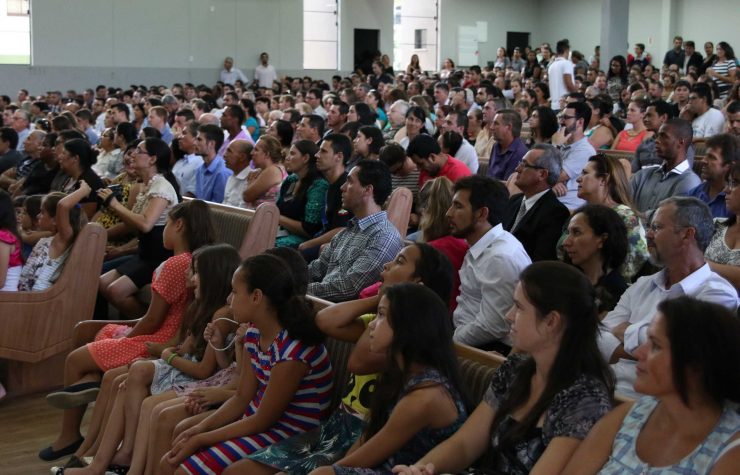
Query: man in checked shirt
(354,257)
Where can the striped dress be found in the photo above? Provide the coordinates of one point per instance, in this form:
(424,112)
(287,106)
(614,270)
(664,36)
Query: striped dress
(304,412)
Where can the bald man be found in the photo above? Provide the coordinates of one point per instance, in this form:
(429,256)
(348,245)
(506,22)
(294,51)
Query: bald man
(238,156)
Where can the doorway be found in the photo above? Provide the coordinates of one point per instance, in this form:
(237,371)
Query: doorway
(516,39)
(366,49)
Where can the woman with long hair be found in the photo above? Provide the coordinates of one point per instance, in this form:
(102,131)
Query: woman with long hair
(629,140)
(543,123)
(616,77)
(264,183)
(724,70)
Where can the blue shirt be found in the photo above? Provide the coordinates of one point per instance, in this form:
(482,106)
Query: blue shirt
(717,205)
(167,135)
(502,164)
(210,180)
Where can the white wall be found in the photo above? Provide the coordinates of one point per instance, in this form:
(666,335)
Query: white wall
(370,15)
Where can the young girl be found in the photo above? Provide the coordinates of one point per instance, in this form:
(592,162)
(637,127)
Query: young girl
(192,360)
(11,261)
(417,402)
(286,389)
(28,223)
(188,227)
(61,215)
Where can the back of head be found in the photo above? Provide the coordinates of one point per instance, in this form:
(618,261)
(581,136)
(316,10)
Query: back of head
(422,146)
(7,214)
(392,155)
(196,216)
(8,134)
(82,150)
(365,115)
(485,192)
(562,46)
(451,142)
(548,121)
(285,132)
(127,130)
(77,217)
(511,118)
(297,265)
(705,342)
(435,271)
(376,174)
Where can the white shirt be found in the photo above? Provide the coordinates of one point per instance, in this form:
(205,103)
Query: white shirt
(488,276)
(575,156)
(712,122)
(638,306)
(265,75)
(558,68)
(468,156)
(230,77)
(185,170)
(235,186)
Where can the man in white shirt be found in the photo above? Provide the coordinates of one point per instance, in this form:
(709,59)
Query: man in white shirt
(230,74)
(491,267)
(458,122)
(708,121)
(264,73)
(677,237)
(561,75)
(185,168)
(575,152)
(237,158)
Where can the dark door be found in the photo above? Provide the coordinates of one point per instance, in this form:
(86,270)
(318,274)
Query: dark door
(514,39)
(366,49)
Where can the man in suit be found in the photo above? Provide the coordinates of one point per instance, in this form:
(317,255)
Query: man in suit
(535,216)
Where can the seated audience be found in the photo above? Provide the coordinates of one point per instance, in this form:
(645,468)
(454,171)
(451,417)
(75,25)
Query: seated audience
(426,153)
(508,150)
(533,418)
(302,197)
(415,125)
(367,144)
(674,176)
(678,235)
(596,243)
(723,252)
(575,153)
(687,421)
(535,216)
(707,120)
(210,178)
(75,160)
(186,167)
(723,151)
(353,259)
(9,156)
(110,157)
(28,225)
(457,121)
(404,172)
(657,113)
(599,131)
(492,264)
(629,139)
(237,158)
(128,181)
(543,123)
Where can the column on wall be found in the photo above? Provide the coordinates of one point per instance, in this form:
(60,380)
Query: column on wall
(614,30)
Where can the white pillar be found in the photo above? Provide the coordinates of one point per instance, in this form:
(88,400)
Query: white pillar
(614,29)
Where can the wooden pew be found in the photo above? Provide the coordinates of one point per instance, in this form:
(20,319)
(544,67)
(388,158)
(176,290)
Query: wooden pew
(36,327)
(399,209)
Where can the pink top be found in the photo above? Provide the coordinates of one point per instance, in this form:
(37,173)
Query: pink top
(8,237)
(629,143)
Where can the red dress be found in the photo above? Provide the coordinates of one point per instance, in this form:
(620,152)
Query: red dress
(111,349)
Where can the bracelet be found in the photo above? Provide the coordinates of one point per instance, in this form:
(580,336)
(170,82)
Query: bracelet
(170,358)
(107,201)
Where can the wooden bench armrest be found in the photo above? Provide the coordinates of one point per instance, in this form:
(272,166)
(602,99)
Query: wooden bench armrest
(85,331)
(481,356)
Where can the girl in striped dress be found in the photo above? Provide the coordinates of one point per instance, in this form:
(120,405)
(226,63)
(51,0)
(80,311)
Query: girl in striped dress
(284,391)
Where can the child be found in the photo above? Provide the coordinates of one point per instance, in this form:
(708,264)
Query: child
(27,210)
(417,402)
(188,225)
(11,262)
(192,360)
(61,215)
(286,388)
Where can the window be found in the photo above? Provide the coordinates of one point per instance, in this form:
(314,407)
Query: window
(415,31)
(320,34)
(17,7)
(15,32)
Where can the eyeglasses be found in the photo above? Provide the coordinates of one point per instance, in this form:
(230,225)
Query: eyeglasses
(566,117)
(654,227)
(525,164)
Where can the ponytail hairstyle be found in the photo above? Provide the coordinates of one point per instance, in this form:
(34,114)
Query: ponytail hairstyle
(435,271)
(555,286)
(274,278)
(77,217)
(32,206)
(81,149)
(196,216)
(215,265)
(159,148)
(8,220)
(422,334)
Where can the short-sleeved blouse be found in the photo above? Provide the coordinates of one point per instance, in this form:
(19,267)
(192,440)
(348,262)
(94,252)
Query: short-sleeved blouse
(309,210)
(718,251)
(572,413)
(158,187)
(170,283)
(629,143)
(11,239)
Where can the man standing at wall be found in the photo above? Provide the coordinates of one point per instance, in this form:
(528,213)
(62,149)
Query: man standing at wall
(264,73)
(560,73)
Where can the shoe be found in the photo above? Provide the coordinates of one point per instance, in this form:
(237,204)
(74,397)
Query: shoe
(117,469)
(74,396)
(49,454)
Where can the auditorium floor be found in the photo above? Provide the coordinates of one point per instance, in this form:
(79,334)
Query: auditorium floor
(27,425)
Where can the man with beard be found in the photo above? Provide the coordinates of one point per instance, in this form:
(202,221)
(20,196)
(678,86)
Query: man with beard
(492,264)
(674,176)
(575,152)
(677,238)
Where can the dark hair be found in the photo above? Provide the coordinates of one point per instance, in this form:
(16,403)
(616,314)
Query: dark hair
(599,106)
(315,121)
(196,216)
(77,217)
(729,52)
(120,107)
(273,276)
(7,215)
(562,45)
(452,141)
(704,337)
(32,206)
(81,149)
(127,130)
(703,91)
(216,264)
(729,146)
(159,148)
(544,88)
(8,134)
(285,132)
(423,145)
(435,271)
(375,135)
(419,113)
(622,70)
(365,115)
(422,334)
(485,192)
(392,154)
(605,221)
(662,108)
(212,133)
(237,112)
(151,133)
(556,287)
(350,129)
(582,111)
(548,121)
(297,265)
(340,144)
(377,174)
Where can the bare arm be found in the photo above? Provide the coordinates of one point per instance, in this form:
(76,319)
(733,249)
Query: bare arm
(258,186)
(141,222)
(341,320)
(65,205)
(4,262)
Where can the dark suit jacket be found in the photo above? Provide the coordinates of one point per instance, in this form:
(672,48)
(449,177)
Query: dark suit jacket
(695,60)
(539,229)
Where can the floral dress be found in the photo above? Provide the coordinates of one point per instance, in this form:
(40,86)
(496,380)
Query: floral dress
(718,251)
(40,270)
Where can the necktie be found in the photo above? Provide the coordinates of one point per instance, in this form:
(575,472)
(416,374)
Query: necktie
(520,215)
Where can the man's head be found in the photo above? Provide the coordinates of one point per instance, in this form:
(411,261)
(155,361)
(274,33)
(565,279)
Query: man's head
(119,113)
(426,153)
(455,122)
(490,108)
(187,138)
(575,118)
(311,127)
(539,169)
(655,90)
(313,97)
(441,92)
(677,43)
(21,120)
(264,59)
(639,49)
(334,152)
(209,140)
(723,151)
(681,226)
(562,47)
(337,115)
(700,98)
(8,140)
(681,92)
(689,47)
(32,144)
(733,116)
(478,204)
(238,155)
(228,63)
(232,118)
(673,139)
(157,117)
(507,125)
(368,183)
(395,157)
(656,114)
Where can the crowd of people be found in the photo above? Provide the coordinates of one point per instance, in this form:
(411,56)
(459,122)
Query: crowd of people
(595,273)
